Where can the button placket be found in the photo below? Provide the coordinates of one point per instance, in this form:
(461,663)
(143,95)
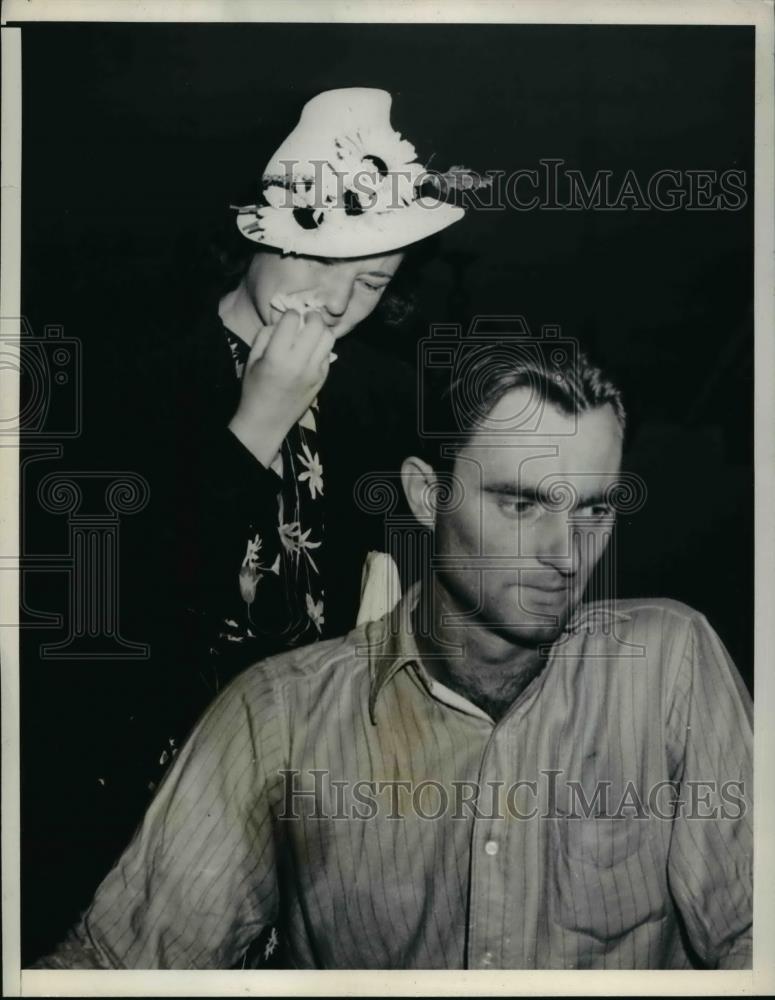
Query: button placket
(487,884)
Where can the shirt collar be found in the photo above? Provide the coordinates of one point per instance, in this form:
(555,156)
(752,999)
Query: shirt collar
(391,643)
(596,613)
(391,647)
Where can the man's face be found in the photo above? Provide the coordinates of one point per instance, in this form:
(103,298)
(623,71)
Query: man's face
(349,290)
(534,508)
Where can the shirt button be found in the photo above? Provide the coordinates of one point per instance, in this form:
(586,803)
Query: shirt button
(491,848)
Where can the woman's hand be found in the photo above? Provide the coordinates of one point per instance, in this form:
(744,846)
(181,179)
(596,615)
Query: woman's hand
(285,370)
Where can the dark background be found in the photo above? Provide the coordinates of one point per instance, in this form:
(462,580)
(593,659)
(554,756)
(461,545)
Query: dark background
(136,137)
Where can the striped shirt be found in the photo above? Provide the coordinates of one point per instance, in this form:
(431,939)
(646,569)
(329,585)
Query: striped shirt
(379,820)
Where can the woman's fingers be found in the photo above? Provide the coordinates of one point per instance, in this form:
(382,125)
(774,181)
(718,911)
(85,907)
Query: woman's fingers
(314,342)
(261,343)
(311,331)
(275,339)
(286,331)
(294,336)
(295,346)
(321,354)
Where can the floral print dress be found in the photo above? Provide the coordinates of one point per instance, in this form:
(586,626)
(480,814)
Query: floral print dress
(279,577)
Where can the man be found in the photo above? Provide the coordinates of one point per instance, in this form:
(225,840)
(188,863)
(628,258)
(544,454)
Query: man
(496,776)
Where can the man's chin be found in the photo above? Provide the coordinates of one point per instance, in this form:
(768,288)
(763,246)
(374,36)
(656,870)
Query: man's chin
(538,629)
(534,635)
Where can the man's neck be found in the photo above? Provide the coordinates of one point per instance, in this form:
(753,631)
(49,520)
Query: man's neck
(239,315)
(491,670)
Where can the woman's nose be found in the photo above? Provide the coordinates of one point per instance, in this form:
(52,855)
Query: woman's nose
(336,296)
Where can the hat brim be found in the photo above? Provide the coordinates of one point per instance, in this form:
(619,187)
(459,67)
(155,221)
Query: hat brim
(340,235)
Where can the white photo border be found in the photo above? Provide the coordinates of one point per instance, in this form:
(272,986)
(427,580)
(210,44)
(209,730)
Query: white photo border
(759,981)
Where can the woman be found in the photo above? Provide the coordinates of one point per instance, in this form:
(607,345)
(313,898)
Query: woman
(274,546)
(271,410)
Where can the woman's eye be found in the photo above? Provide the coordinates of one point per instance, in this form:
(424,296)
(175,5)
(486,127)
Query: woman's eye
(371,287)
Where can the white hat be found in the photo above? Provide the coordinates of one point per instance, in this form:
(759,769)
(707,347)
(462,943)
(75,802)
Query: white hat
(345,184)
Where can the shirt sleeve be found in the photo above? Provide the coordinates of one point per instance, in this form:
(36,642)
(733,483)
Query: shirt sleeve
(710,860)
(198,882)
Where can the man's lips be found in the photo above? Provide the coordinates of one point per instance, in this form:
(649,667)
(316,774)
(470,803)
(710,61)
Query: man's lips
(558,588)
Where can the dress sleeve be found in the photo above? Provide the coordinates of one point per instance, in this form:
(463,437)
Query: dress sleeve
(234,497)
(208,496)
(710,861)
(229,501)
(197,885)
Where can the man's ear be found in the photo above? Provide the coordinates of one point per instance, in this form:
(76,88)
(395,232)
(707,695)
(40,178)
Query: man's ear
(419,482)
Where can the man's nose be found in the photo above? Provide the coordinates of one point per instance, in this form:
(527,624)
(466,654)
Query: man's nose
(336,295)
(559,545)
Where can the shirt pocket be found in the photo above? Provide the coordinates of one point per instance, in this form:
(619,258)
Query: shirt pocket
(609,876)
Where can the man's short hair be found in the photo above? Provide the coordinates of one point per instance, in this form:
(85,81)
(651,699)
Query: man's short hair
(458,401)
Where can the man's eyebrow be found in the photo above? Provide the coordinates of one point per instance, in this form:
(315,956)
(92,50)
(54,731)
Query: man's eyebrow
(594,499)
(508,487)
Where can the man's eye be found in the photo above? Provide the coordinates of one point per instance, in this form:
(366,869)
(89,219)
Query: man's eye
(517,508)
(598,511)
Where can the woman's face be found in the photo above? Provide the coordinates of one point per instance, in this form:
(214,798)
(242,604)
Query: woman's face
(348,290)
